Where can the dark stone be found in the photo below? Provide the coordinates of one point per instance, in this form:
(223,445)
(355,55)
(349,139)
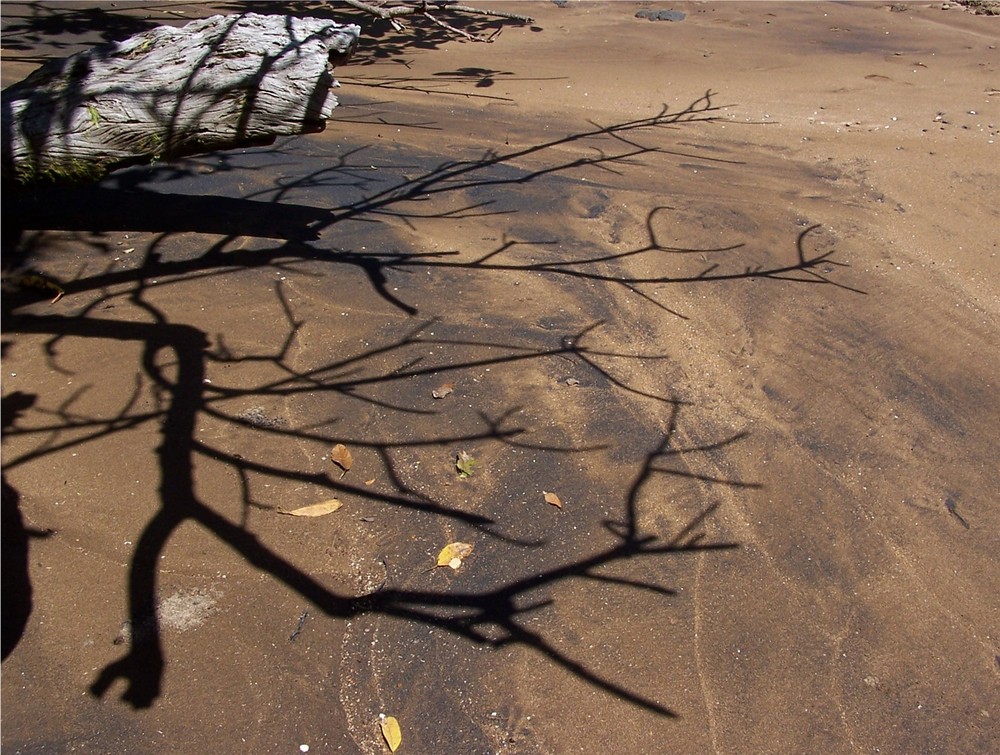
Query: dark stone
(661,15)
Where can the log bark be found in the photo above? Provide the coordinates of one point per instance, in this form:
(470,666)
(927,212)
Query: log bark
(220,82)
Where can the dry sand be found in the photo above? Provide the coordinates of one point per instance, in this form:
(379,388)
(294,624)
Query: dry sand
(729,286)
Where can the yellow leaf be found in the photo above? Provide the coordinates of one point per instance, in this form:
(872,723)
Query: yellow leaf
(341,456)
(391,731)
(453,553)
(553,499)
(315,509)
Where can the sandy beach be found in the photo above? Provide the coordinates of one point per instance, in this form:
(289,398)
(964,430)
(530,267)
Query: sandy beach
(727,285)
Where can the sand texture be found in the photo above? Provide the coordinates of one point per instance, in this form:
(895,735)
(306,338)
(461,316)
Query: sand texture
(728,286)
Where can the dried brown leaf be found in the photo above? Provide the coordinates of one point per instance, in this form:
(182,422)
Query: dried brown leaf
(553,499)
(315,509)
(443,390)
(341,456)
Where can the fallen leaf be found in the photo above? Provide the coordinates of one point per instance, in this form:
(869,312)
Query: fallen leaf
(443,390)
(453,554)
(370,482)
(553,499)
(341,456)
(464,463)
(315,509)
(572,381)
(391,731)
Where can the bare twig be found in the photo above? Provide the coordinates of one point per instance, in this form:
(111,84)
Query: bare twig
(453,30)
(484,12)
(424,8)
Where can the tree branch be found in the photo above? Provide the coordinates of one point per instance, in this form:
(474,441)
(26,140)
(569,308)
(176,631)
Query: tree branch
(424,8)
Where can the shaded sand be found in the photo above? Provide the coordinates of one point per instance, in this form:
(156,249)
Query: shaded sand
(728,286)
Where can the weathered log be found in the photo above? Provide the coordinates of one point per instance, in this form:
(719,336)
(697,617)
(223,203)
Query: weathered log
(219,82)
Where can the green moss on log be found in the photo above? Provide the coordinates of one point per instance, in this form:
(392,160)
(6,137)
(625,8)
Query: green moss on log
(67,171)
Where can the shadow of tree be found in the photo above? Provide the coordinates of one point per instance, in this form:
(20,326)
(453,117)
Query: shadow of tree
(17,590)
(175,357)
(59,27)
(465,615)
(132,206)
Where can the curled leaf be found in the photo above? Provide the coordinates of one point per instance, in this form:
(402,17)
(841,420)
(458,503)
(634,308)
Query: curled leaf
(341,456)
(315,509)
(391,731)
(443,390)
(465,464)
(553,499)
(453,554)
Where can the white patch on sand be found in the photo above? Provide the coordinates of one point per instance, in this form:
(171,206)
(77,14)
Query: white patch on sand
(186,609)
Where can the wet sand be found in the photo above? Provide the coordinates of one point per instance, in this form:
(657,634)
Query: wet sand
(727,285)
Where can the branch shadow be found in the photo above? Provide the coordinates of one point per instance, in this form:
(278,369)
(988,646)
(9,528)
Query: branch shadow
(27,26)
(187,396)
(126,201)
(16,535)
(493,617)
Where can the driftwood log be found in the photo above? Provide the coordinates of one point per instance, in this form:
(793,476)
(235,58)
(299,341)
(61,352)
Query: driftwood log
(220,82)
